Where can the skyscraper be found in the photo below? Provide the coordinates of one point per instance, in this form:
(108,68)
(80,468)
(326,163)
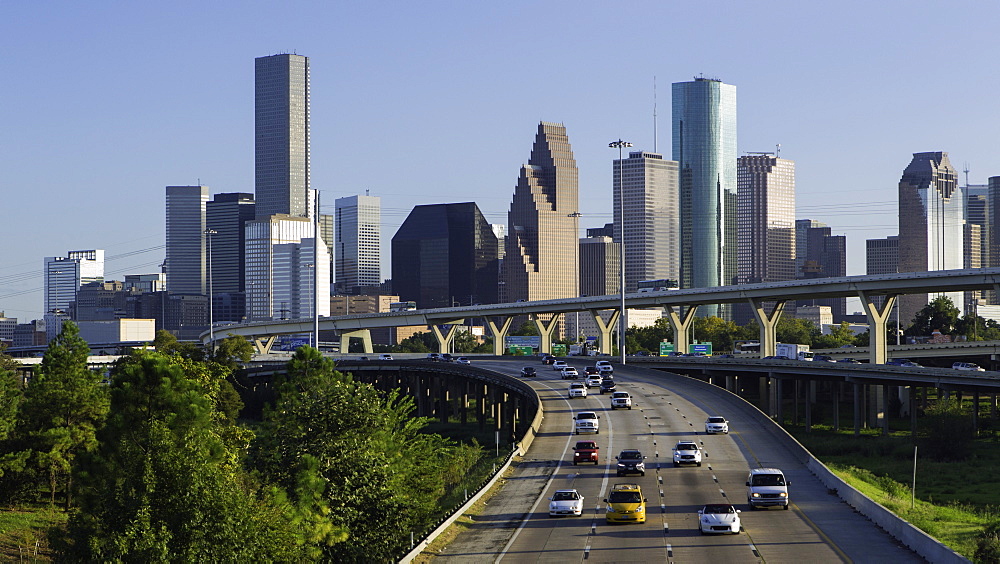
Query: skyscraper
(281,124)
(599,264)
(227,215)
(765,219)
(279,269)
(541,260)
(357,226)
(704,146)
(445,254)
(823,256)
(931,224)
(186,250)
(882,257)
(65,275)
(652,221)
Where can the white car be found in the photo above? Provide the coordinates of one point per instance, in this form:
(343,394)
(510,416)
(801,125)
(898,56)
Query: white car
(462,360)
(587,422)
(622,400)
(559,365)
(385,357)
(716,424)
(719,518)
(968,366)
(570,373)
(594,380)
(565,502)
(577,390)
(687,452)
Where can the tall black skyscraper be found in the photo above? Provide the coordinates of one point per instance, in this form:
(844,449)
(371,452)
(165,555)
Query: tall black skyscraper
(227,215)
(281,124)
(445,254)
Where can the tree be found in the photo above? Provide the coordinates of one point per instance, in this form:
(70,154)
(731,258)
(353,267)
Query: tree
(649,338)
(62,409)
(950,431)
(167,483)
(793,330)
(940,314)
(839,336)
(166,343)
(233,350)
(419,343)
(382,474)
(11,394)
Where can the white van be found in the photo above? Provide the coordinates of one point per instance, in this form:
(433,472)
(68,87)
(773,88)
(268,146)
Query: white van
(767,487)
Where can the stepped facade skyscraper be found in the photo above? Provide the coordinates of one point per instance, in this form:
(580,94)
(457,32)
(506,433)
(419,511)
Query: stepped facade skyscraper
(704,145)
(542,255)
(357,226)
(281,144)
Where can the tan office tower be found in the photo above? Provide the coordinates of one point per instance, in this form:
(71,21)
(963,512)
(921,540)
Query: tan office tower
(931,225)
(542,255)
(765,219)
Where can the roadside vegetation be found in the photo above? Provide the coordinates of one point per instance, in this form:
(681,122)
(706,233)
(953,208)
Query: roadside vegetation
(152,462)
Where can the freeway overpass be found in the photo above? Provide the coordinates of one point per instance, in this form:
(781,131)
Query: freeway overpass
(767,301)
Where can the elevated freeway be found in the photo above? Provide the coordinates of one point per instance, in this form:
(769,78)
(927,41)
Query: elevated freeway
(767,301)
(515,527)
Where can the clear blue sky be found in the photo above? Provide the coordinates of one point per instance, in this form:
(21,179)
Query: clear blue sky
(105,103)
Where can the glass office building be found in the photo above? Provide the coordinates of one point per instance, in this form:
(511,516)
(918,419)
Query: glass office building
(281,126)
(704,145)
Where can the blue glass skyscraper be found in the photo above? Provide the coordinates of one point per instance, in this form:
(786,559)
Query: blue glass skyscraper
(704,146)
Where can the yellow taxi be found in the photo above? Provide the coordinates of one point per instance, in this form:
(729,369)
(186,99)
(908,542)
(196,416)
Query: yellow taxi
(626,504)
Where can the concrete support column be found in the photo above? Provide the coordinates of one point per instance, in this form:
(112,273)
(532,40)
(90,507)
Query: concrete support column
(837,387)
(507,430)
(884,408)
(857,409)
(877,317)
(779,406)
(444,401)
(605,328)
(796,392)
(499,333)
(366,340)
(764,393)
(545,329)
(810,394)
(444,339)
(768,321)
(913,413)
(264,347)
(481,406)
(680,324)
(418,389)
(463,409)
(975,413)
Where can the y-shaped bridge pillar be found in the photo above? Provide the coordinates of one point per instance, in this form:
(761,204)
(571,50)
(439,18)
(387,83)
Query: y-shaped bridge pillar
(877,340)
(605,329)
(499,333)
(545,329)
(768,321)
(366,340)
(444,340)
(680,324)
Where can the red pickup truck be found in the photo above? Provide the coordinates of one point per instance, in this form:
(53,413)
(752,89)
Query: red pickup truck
(585,451)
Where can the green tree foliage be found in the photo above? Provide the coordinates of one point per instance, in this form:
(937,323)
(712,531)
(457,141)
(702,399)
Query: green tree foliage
(950,431)
(11,394)
(988,543)
(167,482)
(838,337)
(166,343)
(940,314)
(62,409)
(798,331)
(418,343)
(719,332)
(976,328)
(382,475)
(648,338)
(233,350)
(527,329)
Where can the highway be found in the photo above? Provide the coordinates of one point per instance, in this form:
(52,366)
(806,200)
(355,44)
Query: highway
(515,526)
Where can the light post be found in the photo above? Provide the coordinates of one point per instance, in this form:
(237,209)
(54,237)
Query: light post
(622,317)
(211,297)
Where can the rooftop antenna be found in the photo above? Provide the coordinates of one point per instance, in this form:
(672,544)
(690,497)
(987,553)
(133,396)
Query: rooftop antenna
(654,114)
(777,150)
(367,191)
(966,171)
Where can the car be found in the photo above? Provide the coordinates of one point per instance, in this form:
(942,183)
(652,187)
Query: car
(823,358)
(608,385)
(462,360)
(434,356)
(577,390)
(687,452)
(587,422)
(643,353)
(968,366)
(605,366)
(385,357)
(364,358)
(621,400)
(719,518)
(625,504)
(548,359)
(569,373)
(528,371)
(585,451)
(716,424)
(776,357)
(897,362)
(594,381)
(630,461)
(591,370)
(559,365)
(565,502)
(445,357)
(849,361)
(767,487)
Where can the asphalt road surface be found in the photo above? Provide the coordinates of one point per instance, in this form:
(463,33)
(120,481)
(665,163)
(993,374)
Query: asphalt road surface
(516,527)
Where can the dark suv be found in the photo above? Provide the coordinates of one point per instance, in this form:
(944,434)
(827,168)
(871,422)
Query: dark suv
(630,461)
(528,371)
(608,385)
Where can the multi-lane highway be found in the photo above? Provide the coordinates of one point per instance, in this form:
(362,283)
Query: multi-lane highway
(515,526)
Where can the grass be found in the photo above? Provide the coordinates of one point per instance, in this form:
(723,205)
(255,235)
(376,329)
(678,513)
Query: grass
(23,533)
(954,499)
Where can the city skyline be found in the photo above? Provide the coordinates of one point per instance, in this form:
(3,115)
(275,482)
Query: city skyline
(98,136)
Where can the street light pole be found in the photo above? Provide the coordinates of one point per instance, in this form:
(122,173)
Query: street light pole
(623,316)
(211,296)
